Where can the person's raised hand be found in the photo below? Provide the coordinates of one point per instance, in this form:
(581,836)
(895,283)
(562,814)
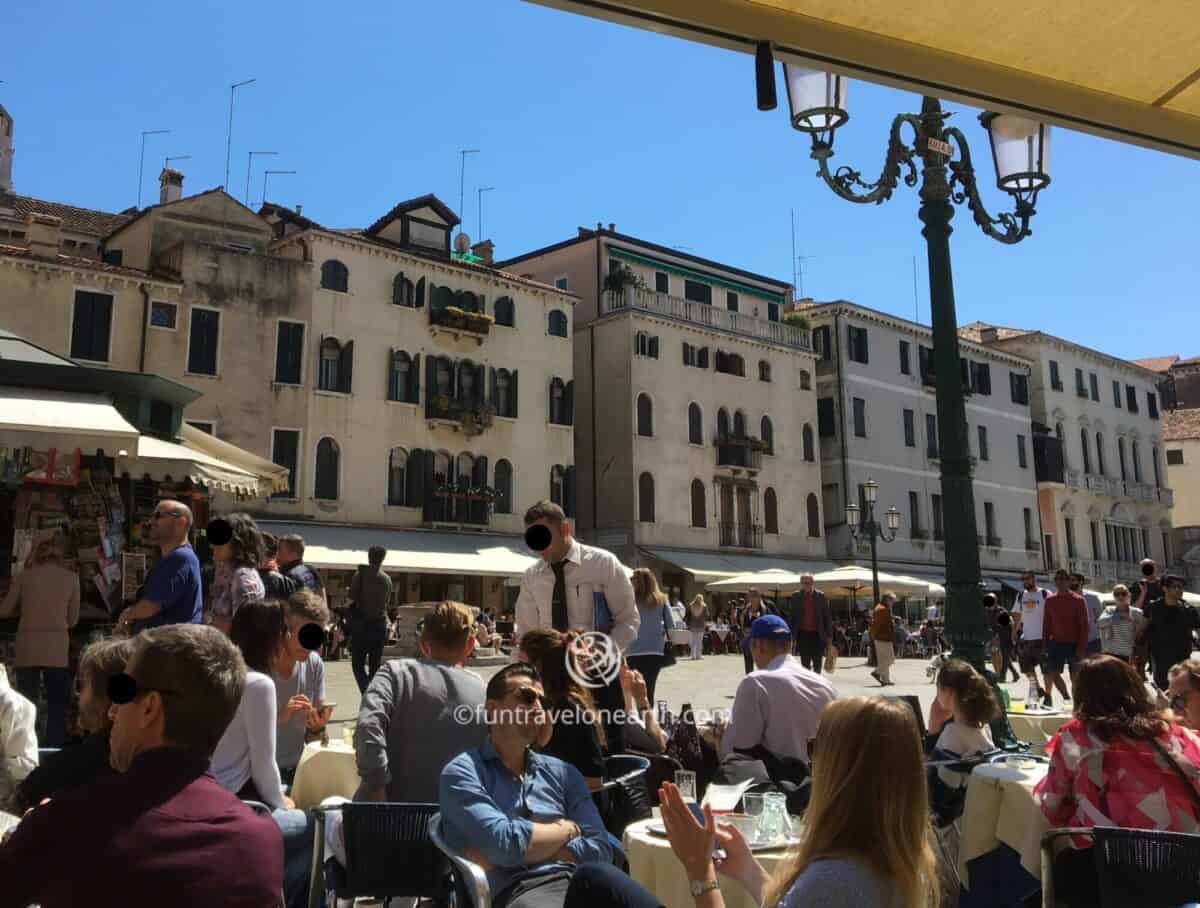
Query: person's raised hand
(738,862)
(691,842)
(638,685)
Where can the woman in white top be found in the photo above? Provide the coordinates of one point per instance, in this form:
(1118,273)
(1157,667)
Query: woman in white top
(965,705)
(865,838)
(244,761)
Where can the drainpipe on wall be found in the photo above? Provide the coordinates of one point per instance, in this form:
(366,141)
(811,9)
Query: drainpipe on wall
(841,409)
(595,399)
(145,325)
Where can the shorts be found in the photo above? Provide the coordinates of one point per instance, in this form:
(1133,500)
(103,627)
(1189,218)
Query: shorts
(1030,655)
(1059,654)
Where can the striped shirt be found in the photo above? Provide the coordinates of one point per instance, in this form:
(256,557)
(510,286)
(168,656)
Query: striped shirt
(1119,629)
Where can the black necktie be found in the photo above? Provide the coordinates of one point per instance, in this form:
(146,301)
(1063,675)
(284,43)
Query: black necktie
(558,602)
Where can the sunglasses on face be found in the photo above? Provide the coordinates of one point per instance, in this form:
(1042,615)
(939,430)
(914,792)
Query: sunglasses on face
(527,696)
(1178,703)
(159,515)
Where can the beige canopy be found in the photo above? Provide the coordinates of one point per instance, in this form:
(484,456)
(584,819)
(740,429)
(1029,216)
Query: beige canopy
(851,578)
(771,580)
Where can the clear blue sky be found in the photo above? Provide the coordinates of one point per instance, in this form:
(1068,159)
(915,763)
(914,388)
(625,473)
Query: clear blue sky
(579,121)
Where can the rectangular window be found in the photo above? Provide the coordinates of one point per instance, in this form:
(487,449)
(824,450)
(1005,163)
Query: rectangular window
(285,451)
(1117,394)
(1022,458)
(207,426)
(772,312)
(1166,542)
(914,513)
(1019,388)
(1069,528)
(905,368)
(164,315)
(925,364)
(1094,386)
(1027,518)
(860,417)
(91,326)
(983,443)
(831,498)
(561,282)
(823,343)
(1175,457)
(697,292)
(1055,379)
(731,301)
(981,378)
(989,522)
(289,353)
(1095,533)
(910,429)
(1080,387)
(856,344)
(935,512)
(1131,399)
(1048,549)
(931,436)
(662,282)
(826,423)
(1152,404)
(202,341)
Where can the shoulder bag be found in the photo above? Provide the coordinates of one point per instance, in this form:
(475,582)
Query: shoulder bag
(668,653)
(1183,776)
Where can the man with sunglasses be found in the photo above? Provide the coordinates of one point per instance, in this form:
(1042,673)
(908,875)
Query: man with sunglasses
(172,591)
(1169,629)
(1184,693)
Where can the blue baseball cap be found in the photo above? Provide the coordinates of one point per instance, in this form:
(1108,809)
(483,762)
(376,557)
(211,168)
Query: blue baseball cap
(770,627)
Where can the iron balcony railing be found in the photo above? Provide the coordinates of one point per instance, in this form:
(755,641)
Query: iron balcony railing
(741,535)
(707,315)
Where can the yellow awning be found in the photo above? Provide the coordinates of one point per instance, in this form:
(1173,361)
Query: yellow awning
(1125,70)
(275,476)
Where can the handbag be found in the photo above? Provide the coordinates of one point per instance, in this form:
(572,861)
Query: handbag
(624,801)
(687,748)
(668,654)
(1183,776)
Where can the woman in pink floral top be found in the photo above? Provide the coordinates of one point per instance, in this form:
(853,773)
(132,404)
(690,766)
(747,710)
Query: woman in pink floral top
(236,580)
(1111,765)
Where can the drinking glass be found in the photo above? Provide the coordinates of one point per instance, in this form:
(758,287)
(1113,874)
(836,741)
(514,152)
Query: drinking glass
(348,735)
(773,823)
(685,781)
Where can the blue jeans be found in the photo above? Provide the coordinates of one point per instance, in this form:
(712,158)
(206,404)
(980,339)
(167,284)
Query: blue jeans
(297,828)
(58,689)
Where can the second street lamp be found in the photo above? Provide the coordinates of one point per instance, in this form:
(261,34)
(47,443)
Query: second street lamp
(870,527)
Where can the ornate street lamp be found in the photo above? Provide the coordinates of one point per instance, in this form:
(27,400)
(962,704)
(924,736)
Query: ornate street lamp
(870,527)
(1021,154)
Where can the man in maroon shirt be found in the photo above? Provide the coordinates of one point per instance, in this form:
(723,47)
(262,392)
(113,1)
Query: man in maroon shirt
(162,831)
(811,624)
(1064,629)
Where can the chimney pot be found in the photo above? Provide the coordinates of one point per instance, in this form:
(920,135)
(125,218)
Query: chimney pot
(612,228)
(6,150)
(44,233)
(299,209)
(485,250)
(988,335)
(170,185)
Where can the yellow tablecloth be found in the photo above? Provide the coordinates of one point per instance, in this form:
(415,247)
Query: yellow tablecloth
(1001,809)
(323,772)
(1037,728)
(654,865)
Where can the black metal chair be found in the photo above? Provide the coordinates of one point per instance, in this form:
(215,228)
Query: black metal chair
(624,797)
(389,854)
(1135,868)
(470,882)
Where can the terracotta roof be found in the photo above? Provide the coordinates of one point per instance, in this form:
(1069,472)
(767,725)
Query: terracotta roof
(974,331)
(1181,424)
(291,215)
(74,220)
(1158,363)
(1190,361)
(75,261)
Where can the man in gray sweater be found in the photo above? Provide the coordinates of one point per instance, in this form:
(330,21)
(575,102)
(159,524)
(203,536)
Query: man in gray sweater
(418,714)
(370,593)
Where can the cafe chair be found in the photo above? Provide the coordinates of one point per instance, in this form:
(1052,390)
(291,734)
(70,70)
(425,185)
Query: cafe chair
(1142,867)
(470,887)
(389,854)
(625,795)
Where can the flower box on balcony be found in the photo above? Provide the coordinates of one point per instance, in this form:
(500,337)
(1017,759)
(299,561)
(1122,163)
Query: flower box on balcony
(453,318)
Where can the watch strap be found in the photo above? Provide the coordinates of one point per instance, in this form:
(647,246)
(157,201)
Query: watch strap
(700,887)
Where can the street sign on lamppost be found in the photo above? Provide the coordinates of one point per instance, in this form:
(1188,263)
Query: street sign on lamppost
(1020,153)
(870,527)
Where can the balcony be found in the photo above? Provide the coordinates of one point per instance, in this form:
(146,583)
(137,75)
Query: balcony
(739,453)
(1071,477)
(1089,568)
(703,314)
(1166,497)
(741,535)
(472,418)
(1097,483)
(460,323)
(1140,491)
(459,504)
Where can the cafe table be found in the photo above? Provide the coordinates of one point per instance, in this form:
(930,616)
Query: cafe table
(1036,727)
(324,772)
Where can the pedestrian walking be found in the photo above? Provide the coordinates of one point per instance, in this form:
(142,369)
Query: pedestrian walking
(646,653)
(370,595)
(697,621)
(1169,628)
(1145,592)
(883,634)
(811,624)
(1120,625)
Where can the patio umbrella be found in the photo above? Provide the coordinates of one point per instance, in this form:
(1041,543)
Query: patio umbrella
(933,589)
(1191,599)
(853,578)
(772,579)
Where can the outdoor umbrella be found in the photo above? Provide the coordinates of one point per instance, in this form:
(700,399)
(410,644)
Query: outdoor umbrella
(772,579)
(851,578)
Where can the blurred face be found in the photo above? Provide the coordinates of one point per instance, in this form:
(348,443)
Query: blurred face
(522,711)
(93,705)
(1076,584)
(291,647)
(1173,593)
(560,539)
(136,725)
(1184,700)
(167,523)
(222,552)
(806,584)
(1028,581)
(286,553)
(1062,583)
(1122,600)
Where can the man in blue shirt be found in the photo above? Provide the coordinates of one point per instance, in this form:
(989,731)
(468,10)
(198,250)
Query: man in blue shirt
(172,592)
(528,819)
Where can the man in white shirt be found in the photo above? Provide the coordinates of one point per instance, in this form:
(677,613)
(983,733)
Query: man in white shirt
(18,739)
(1028,613)
(777,705)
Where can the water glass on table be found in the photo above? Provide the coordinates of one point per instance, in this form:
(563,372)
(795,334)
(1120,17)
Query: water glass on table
(685,781)
(773,823)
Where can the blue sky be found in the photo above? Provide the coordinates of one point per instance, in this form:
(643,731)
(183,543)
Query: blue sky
(578,121)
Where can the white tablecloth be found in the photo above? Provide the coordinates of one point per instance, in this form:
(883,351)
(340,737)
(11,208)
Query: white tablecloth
(1002,809)
(1037,728)
(654,865)
(323,772)
(7,821)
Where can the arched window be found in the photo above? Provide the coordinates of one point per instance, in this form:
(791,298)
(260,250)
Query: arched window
(442,466)
(1137,461)
(739,424)
(702,358)
(505,312)
(738,364)
(814,515)
(770,513)
(329,457)
(329,375)
(503,487)
(1121,458)
(557,484)
(557,402)
(695,425)
(397,477)
(557,323)
(335,276)
(1099,453)
(646,498)
(1087,457)
(764,370)
(1157,468)
(402,291)
(402,378)
(722,423)
(1062,440)
(768,435)
(805,380)
(469,302)
(465,467)
(807,443)
(645,416)
(503,393)
(445,377)
(641,344)
(699,511)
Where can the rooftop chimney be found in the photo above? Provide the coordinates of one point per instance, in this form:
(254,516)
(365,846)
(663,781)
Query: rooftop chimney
(6,150)
(484,250)
(988,335)
(44,233)
(299,209)
(170,185)
(612,228)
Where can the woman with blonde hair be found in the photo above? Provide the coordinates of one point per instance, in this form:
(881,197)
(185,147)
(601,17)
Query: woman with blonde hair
(697,620)
(865,839)
(645,654)
(46,595)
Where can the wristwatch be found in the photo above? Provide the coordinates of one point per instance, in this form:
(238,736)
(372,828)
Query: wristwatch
(699,887)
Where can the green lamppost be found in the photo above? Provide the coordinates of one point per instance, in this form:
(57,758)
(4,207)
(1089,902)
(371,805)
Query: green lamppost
(1020,151)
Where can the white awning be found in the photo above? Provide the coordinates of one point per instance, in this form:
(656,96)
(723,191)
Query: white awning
(410,551)
(708,566)
(159,459)
(275,475)
(65,413)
